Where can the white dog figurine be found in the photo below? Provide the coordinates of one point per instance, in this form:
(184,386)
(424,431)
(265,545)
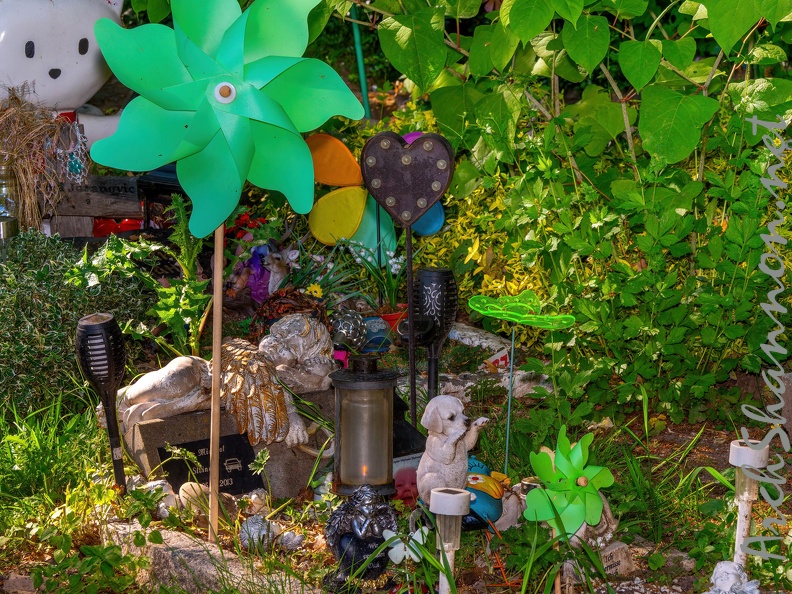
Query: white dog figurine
(451,436)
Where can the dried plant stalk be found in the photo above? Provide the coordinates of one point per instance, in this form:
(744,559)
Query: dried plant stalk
(36,147)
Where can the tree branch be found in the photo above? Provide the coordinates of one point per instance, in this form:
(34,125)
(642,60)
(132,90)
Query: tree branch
(627,127)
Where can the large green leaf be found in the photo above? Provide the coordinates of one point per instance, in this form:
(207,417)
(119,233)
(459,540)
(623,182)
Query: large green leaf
(157,10)
(765,98)
(461,9)
(568,9)
(774,10)
(414,44)
(588,44)
(679,53)
(527,18)
(497,115)
(503,45)
(670,123)
(729,20)
(601,117)
(453,109)
(626,9)
(480,62)
(639,61)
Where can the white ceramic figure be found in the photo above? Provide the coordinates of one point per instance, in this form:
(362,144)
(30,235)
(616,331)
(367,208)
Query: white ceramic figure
(50,46)
(451,436)
(730,578)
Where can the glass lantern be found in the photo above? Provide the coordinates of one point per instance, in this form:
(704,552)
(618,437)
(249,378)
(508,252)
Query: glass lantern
(364,427)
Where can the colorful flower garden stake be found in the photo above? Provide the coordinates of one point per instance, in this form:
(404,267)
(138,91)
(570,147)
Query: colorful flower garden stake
(522,309)
(571,492)
(226,95)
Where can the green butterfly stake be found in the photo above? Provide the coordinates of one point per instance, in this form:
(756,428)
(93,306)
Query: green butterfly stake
(571,492)
(522,309)
(226,95)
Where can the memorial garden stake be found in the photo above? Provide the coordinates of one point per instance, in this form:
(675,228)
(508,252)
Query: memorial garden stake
(227,95)
(406,179)
(522,309)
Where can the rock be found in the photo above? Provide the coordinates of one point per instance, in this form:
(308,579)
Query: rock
(600,535)
(195,496)
(459,385)
(170,500)
(257,502)
(258,533)
(291,541)
(617,560)
(185,564)
(16,583)
(680,560)
(477,338)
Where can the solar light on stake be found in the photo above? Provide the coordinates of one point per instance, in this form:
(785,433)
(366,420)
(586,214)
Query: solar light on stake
(102,358)
(746,488)
(449,505)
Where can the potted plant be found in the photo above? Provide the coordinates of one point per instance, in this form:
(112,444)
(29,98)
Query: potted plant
(387,278)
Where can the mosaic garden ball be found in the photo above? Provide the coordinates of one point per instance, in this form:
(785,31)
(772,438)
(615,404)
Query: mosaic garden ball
(349,330)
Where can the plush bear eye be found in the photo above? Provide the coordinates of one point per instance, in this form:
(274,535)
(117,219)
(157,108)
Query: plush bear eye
(30,49)
(452,417)
(82,46)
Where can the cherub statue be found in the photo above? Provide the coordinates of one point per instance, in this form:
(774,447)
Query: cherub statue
(250,390)
(301,349)
(354,532)
(730,578)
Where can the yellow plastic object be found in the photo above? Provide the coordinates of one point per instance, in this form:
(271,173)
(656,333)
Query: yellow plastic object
(337,214)
(334,165)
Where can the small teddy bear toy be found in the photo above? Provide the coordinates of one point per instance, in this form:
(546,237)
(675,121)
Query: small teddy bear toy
(49,47)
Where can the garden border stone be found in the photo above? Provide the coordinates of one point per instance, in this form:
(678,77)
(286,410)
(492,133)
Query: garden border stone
(197,566)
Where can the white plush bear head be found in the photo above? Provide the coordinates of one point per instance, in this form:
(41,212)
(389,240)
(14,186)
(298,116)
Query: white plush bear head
(50,44)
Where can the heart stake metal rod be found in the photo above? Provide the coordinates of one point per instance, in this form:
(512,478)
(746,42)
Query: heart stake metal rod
(217,339)
(406,180)
(411,324)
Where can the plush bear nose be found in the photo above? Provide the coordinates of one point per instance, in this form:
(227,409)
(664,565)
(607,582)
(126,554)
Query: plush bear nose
(467,422)
(54,73)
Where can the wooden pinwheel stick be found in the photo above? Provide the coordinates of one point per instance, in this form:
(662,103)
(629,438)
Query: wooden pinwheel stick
(217,339)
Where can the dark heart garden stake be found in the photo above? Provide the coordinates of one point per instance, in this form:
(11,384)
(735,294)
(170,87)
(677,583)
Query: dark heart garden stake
(406,180)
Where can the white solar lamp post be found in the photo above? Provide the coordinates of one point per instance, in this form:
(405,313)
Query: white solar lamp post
(741,456)
(449,505)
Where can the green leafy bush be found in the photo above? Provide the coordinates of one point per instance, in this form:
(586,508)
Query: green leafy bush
(606,164)
(40,315)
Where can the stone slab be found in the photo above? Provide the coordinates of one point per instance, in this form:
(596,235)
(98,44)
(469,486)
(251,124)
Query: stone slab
(459,385)
(617,559)
(477,337)
(187,564)
(15,583)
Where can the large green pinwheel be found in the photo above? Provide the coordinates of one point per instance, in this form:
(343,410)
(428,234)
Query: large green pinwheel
(571,488)
(226,94)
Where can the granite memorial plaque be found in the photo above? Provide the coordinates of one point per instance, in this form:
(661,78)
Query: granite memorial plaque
(236,454)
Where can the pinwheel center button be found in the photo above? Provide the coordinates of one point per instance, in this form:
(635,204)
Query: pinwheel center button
(225,92)
(582,481)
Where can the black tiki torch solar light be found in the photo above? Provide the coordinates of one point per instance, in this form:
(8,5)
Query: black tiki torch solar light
(435,296)
(363,427)
(101,355)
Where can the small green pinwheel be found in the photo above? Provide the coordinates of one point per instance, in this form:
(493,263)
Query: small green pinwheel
(571,488)
(226,94)
(522,309)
